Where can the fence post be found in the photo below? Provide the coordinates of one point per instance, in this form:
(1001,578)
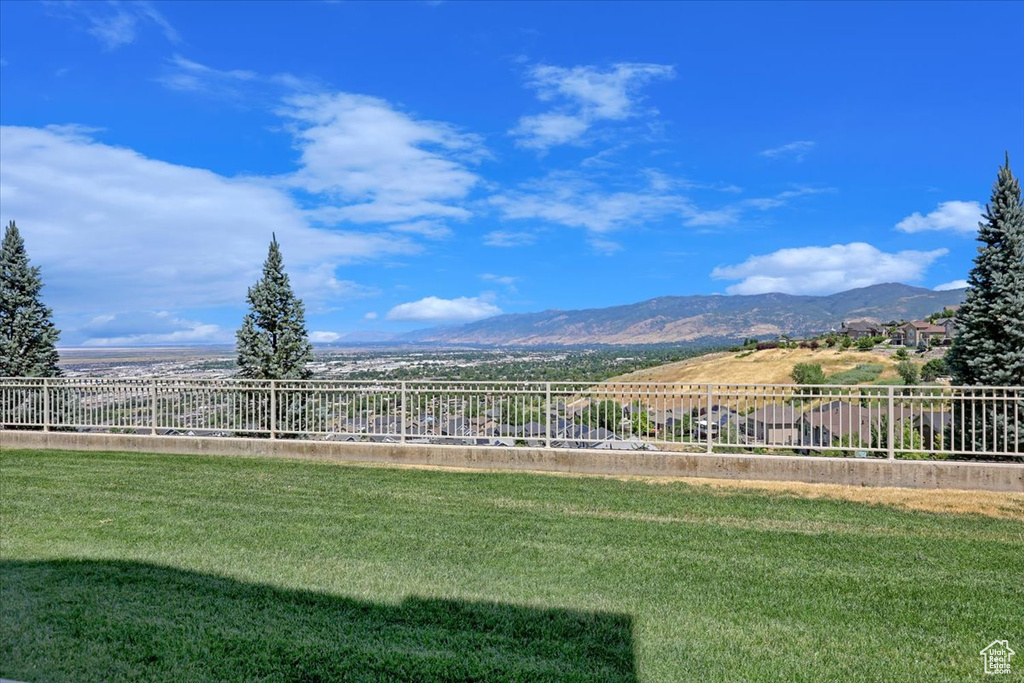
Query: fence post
(891,424)
(273,409)
(46,404)
(547,414)
(403,422)
(707,422)
(152,398)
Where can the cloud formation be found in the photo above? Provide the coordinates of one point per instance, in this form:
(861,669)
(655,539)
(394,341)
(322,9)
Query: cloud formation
(955,284)
(795,151)
(115,230)
(116,24)
(509,238)
(825,270)
(955,216)
(573,200)
(583,96)
(148,328)
(372,163)
(434,309)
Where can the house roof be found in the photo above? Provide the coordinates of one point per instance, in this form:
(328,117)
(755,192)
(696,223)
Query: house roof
(841,418)
(933,420)
(863,326)
(776,414)
(922,326)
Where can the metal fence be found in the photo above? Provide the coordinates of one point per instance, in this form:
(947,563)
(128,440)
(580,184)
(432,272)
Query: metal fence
(862,421)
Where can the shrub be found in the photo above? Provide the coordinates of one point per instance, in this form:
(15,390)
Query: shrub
(866,343)
(910,373)
(762,346)
(902,354)
(808,373)
(934,368)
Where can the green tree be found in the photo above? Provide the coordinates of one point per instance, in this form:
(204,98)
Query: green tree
(607,414)
(934,368)
(273,342)
(989,347)
(28,337)
(909,372)
(642,423)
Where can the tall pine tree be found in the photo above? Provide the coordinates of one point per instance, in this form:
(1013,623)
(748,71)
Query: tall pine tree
(273,342)
(28,337)
(989,347)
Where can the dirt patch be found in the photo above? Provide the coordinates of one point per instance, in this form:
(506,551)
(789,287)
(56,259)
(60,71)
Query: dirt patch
(947,501)
(952,501)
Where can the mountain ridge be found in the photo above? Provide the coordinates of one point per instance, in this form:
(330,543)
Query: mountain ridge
(696,318)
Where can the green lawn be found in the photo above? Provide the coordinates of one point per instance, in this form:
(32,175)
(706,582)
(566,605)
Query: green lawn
(149,567)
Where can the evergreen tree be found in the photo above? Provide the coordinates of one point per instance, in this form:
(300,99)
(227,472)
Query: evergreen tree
(989,347)
(272,342)
(27,335)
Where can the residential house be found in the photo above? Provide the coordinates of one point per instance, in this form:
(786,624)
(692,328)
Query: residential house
(776,425)
(932,425)
(721,420)
(950,326)
(862,328)
(840,423)
(917,331)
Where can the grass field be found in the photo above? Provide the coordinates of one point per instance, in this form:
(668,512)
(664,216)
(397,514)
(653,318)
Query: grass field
(120,567)
(771,366)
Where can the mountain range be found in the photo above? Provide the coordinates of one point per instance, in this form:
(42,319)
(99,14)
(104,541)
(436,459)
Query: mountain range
(698,319)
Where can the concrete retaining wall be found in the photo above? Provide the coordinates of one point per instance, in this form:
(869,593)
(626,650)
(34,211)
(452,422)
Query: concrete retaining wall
(846,471)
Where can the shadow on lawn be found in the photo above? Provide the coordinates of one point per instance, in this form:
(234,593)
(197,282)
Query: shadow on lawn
(110,620)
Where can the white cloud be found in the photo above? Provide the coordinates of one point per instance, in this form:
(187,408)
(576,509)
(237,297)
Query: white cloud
(825,270)
(793,150)
(186,75)
(113,229)
(377,164)
(507,238)
(429,229)
(955,284)
(116,24)
(321,337)
(148,328)
(506,280)
(372,315)
(434,309)
(547,130)
(783,198)
(603,246)
(571,200)
(583,95)
(960,217)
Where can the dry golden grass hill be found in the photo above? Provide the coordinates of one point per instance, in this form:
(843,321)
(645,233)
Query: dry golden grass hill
(771,366)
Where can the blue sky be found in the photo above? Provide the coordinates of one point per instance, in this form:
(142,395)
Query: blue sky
(433,163)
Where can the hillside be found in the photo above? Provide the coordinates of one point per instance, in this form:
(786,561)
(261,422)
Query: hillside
(771,366)
(702,319)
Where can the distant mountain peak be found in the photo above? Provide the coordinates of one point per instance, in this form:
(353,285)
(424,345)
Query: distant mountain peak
(699,318)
